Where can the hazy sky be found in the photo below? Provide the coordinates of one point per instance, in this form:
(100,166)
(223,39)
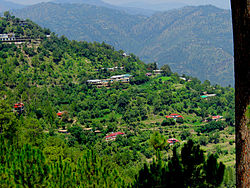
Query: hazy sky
(219,3)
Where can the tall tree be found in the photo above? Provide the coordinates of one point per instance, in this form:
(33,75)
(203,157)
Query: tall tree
(241,32)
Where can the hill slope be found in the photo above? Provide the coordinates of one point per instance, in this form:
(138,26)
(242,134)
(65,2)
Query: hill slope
(64,117)
(194,40)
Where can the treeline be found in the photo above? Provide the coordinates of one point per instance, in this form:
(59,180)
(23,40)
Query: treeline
(28,167)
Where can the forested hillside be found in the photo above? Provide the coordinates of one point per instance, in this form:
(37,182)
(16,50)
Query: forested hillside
(60,130)
(196,41)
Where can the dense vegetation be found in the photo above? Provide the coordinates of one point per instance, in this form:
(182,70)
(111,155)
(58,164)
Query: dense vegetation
(196,41)
(50,75)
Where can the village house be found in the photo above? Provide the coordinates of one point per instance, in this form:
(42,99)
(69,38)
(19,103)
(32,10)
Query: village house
(60,114)
(62,131)
(11,38)
(207,96)
(124,78)
(172,141)
(94,82)
(87,129)
(120,77)
(113,136)
(7,37)
(174,116)
(216,118)
(182,78)
(23,23)
(148,74)
(157,71)
(125,55)
(18,107)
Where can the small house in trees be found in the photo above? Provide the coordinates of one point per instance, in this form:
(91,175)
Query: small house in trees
(125,55)
(157,71)
(174,116)
(23,23)
(60,114)
(94,82)
(98,131)
(7,37)
(207,96)
(19,107)
(172,141)
(148,74)
(113,136)
(216,118)
(183,78)
(63,131)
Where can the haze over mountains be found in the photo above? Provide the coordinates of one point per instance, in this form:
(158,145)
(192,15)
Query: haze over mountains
(6,5)
(193,40)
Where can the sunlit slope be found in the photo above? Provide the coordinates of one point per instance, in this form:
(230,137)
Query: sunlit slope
(194,40)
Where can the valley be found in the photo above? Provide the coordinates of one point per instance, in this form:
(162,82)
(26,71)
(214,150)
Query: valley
(58,129)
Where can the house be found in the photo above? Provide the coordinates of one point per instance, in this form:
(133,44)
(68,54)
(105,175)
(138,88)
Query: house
(7,37)
(87,129)
(216,118)
(148,74)
(211,95)
(208,95)
(113,136)
(122,78)
(18,107)
(174,116)
(172,141)
(157,71)
(125,55)
(94,82)
(204,96)
(59,114)
(183,78)
(22,23)
(119,77)
(63,131)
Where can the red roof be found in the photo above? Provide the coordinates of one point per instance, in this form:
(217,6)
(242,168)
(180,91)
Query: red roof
(174,116)
(114,134)
(172,140)
(216,117)
(19,105)
(59,113)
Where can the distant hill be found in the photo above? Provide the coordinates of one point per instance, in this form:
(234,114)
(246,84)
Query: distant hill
(157,7)
(6,5)
(167,5)
(193,40)
(128,9)
(91,2)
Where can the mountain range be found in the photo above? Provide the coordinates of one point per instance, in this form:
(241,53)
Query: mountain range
(6,5)
(193,40)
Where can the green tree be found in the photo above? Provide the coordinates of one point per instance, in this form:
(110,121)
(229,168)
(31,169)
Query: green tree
(166,71)
(8,121)
(158,141)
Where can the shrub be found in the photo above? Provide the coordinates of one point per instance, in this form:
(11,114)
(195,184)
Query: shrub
(180,120)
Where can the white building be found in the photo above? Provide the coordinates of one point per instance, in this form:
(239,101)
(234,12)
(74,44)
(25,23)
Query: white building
(7,37)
